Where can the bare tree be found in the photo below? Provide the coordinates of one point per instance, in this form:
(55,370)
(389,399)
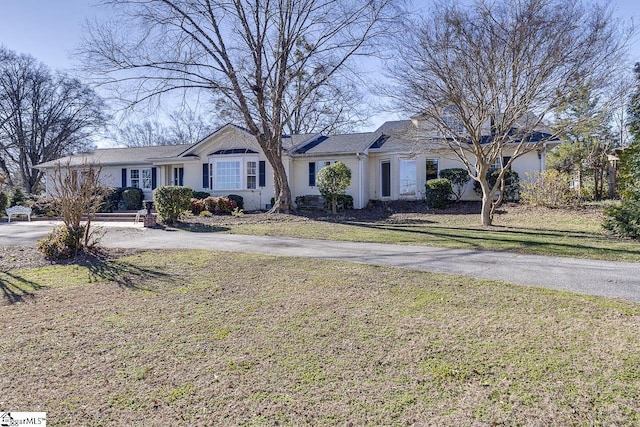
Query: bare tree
(241,50)
(78,192)
(487,75)
(43,116)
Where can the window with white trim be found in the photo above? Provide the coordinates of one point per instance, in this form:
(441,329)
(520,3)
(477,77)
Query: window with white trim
(141,178)
(408,175)
(252,175)
(233,173)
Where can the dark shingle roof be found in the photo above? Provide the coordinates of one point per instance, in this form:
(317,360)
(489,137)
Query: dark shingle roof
(119,156)
(336,144)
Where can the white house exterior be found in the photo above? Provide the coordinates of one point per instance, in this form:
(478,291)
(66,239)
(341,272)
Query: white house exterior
(391,163)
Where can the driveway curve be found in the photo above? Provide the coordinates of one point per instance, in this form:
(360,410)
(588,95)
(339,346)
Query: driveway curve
(603,278)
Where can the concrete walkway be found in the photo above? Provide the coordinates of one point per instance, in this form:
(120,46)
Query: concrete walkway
(606,278)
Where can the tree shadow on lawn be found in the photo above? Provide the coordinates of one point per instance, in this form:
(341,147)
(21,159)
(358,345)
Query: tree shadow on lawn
(124,274)
(16,288)
(196,227)
(554,248)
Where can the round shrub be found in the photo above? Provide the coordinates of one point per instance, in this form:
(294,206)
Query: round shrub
(458,178)
(438,193)
(197,206)
(239,201)
(132,198)
(211,204)
(112,199)
(171,202)
(226,205)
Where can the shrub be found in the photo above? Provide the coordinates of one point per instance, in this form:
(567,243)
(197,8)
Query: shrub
(623,219)
(17,197)
(438,193)
(171,202)
(44,206)
(132,198)
(197,206)
(333,181)
(237,212)
(112,199)
(211,204)
(200,194)
(61,243)
(458,178)
(511,184)
(205,214)
(237,199)
(344,202)
(226,205)
(549,188)
(4,202)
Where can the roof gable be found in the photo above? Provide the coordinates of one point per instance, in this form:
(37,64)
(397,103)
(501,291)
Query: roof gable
(225,138)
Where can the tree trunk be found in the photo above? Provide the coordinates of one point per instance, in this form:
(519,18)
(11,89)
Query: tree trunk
(487,210)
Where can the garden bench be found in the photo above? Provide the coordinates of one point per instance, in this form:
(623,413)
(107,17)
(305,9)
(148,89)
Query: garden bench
(18,210)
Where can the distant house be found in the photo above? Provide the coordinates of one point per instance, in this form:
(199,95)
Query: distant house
(391,163)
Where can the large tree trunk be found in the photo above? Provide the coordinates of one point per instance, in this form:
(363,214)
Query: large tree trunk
(487,210)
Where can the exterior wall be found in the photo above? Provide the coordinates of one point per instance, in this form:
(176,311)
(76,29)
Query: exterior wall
(526,164)
(299,176)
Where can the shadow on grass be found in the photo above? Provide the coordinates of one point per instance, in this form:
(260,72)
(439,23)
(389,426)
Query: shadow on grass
(16,288)
(523,241)
(197,227)
(123,273)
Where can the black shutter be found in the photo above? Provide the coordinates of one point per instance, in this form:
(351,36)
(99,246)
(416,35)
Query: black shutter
(154,178)
(262,173)
(181,176)
(312,174)
(205,175)
(124,177)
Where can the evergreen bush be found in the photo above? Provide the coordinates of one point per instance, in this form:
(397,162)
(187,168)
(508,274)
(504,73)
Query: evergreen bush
(438,193)
(171,202)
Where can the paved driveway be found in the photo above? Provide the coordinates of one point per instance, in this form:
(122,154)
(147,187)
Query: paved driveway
(614,279)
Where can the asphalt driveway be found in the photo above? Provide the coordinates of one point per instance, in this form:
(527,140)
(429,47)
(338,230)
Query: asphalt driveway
(605,278)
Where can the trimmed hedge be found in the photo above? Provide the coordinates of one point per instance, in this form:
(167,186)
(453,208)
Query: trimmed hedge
(132,198)
(171,202)
(438,193)
(237,199)
(623,219)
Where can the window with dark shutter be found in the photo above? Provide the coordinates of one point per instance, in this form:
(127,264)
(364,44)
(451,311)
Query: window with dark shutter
(124,177)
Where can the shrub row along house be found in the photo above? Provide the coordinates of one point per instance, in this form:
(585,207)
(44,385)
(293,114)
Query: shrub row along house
(391,163)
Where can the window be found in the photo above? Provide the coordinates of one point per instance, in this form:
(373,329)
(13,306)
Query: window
(252,177)
(432,169)
(178,176)
(135,178)
(141,178)
(451,119)
(385,175)
(233,173)
(315,167)
(407,178)
(227,176)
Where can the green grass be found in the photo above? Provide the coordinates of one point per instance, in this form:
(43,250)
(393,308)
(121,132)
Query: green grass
(537,231)
(258,340)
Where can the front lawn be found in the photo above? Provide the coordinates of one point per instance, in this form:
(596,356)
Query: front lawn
(567,233)
(208,338)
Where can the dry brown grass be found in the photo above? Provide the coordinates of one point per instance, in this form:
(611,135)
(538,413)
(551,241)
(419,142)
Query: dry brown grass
(205,338)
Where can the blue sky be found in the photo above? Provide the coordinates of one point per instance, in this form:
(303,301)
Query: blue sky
(50,30)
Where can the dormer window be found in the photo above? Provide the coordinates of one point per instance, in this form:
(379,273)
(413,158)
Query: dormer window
(451,118)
